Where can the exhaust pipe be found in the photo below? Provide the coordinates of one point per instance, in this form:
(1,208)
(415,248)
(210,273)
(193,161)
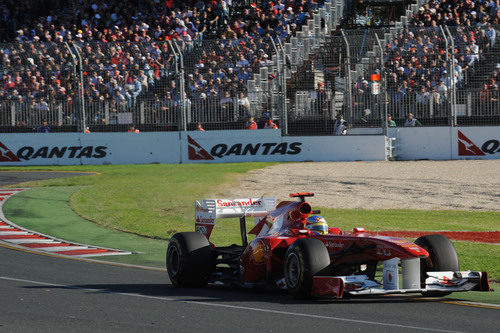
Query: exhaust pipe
(305,209)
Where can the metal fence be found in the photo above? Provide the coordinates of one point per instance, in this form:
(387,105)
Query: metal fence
(442,75)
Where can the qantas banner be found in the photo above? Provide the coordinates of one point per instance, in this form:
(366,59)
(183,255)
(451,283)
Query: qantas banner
(92,148)
(447,143)
(269,145)
(475,142)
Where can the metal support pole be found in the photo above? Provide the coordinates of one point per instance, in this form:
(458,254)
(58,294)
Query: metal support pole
(182,97)
(448,84)
(282,84)
(78,73)
(83,114)
(383,85)
(176,66)
(349,78)
(453,92)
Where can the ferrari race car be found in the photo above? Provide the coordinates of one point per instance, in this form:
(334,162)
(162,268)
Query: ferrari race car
(286,253)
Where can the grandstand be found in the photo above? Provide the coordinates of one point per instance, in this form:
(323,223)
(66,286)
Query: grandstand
(168,65)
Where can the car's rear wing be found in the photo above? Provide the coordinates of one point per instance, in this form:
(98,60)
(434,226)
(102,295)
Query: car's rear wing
(209,210)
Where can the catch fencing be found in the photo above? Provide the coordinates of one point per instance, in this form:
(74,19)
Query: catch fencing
(443,76)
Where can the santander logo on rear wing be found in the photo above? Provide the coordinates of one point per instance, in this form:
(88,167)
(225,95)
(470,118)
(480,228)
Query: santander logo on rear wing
(209,210)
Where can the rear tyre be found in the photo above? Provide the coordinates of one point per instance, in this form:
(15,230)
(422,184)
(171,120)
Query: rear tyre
(188,259)
(305,258)
(442,257)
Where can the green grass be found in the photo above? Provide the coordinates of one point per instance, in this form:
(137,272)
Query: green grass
(406,219)
(150,200)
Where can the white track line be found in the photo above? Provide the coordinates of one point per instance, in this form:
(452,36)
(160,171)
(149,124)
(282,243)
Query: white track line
(99,254)
(62,248)
(4,233)
(227,306)
(29,240)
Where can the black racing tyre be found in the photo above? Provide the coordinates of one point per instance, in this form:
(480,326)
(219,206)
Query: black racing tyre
(188,259)
(442,257)
(305,258)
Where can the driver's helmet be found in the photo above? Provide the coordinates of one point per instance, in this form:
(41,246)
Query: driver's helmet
(317,224)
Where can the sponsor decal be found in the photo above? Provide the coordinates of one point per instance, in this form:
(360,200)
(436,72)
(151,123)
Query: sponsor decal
(383,251)
(334,245)
(201,209)
(467,148)
(29,153)
(197,152)
(230,203)
(258,253)
(6,155)
(201,228)
(205,220)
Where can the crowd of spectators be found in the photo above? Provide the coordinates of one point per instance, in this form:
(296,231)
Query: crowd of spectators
(488,101)
(125,53)
(418,62)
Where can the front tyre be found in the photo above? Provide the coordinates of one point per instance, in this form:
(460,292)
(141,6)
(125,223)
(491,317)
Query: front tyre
(188,259)
(304,259)
(442,257)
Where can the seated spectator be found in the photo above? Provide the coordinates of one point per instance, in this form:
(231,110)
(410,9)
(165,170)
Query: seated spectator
(44,128)
(251,124)
(340,125)
(243,104)
(270,124)
(132,129)
(411,121)
(390,122)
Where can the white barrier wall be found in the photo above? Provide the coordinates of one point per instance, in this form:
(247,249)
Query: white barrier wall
(435,143)
(445,143)
(93,148)
(269,145)
(186,147)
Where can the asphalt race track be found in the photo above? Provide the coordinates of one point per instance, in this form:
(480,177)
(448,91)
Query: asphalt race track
(15,177)
(45,293)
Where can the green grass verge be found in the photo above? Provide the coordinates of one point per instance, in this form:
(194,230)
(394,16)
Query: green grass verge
(151,200)
(407,219)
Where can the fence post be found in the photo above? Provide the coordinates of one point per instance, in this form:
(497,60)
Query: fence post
(453,95)
(349,78)
(383,78)
(106,113)
(182,97)
(448,84)
(12,114)
(177,71)
(281,69)
(79,77)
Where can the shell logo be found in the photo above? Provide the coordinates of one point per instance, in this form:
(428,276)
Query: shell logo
(258,253)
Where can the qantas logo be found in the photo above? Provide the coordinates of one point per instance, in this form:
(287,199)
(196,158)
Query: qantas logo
(197,152)
(468,148)
(29,153)
(6,155)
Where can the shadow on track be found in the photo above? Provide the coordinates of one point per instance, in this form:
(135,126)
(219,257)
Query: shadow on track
(226,294)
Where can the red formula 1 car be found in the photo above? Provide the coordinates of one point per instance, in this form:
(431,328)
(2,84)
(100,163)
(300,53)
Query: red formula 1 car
(287,254)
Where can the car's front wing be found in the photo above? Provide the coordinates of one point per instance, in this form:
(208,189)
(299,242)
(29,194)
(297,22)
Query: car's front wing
(338,286)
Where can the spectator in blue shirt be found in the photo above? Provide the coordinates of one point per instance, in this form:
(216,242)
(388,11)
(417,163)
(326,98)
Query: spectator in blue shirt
(44,128)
